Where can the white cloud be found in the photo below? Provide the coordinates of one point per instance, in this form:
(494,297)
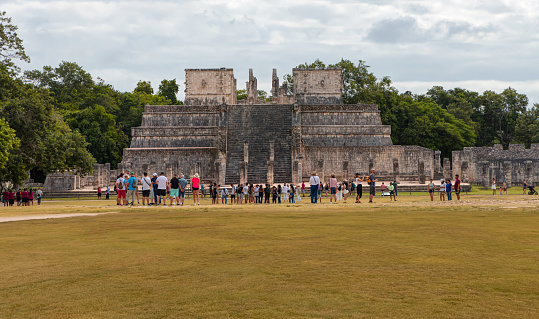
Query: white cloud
(412,41)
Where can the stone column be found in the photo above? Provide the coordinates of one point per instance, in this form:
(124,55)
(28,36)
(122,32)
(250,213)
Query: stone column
(507,167)
(270,163)
(345,170)
(437,163)
(396,172)
(421,171)
(447,168)
(321,169)
(296,172)
(244,165)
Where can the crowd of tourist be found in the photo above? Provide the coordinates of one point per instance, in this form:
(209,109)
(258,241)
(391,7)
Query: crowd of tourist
(158,190)
(22,197)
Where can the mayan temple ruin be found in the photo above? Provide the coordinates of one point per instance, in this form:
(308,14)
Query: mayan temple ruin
(284,140)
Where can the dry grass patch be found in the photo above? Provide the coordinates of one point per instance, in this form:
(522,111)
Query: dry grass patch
(288,261)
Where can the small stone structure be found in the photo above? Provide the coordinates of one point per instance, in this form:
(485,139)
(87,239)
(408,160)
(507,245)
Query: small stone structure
(284,140)
(60,182)
(478,165)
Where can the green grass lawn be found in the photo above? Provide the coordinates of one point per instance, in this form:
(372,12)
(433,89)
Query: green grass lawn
(414,259)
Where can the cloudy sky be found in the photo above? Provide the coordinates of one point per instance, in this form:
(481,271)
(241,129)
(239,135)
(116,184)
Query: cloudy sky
(473,44)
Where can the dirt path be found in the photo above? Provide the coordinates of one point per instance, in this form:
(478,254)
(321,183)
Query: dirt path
(48,216)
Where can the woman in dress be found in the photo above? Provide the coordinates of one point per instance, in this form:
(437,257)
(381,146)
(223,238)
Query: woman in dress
(493,186)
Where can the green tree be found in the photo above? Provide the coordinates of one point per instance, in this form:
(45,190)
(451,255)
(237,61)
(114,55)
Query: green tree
(241,94)
(8,142)
(10,44)
(144,87)
(46,142)
(69,84)
(105,140)
(169,89)
(500,114)
(527,127)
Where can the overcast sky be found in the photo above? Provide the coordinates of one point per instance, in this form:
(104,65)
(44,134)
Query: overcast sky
(477,45)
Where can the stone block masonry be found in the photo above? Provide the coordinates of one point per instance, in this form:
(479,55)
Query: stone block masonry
(270,142)
(478,165)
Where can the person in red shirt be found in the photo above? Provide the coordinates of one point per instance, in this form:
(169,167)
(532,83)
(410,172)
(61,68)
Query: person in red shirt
(457,186)
(5,198)
(24,197)
(195,186)
(11,197)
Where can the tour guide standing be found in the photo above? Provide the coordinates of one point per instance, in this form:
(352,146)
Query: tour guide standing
(314,181)
(372,185)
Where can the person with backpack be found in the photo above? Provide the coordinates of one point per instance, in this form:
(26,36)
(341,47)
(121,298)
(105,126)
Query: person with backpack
(131,188)
(146,188)
(120,189)
(371,180)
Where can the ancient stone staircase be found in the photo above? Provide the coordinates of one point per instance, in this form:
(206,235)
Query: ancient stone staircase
(258,126)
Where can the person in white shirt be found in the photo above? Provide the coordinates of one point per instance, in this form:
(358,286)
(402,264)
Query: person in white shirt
(285,193)
(314,181)
(162,182)
(120,189)
(246,193)
(146,187)
(224,195)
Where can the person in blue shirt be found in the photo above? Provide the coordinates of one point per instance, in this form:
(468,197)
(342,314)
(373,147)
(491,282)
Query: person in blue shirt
(132,188)
(448,188)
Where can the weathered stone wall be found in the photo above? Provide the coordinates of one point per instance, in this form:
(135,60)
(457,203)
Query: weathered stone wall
(210,86)
(390,162)
(478,165)
(184,160)
(343,125)
(312,86)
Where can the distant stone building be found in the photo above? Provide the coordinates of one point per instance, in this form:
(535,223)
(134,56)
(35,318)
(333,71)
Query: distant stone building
(479,165)
(252,140)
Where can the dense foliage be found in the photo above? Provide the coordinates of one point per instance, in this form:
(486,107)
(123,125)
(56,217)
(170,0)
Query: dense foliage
(444,120)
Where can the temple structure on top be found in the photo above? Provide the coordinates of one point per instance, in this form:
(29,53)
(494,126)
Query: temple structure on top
(257,141)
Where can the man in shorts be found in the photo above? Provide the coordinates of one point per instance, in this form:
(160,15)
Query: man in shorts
(162,182)
(372,185)
(120,189)
(240,194)
(183,186)
(146,187)
(174,190)
(132,188)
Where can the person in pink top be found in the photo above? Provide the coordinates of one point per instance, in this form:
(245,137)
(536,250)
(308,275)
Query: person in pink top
(333,189)
(195,186)
(303,188)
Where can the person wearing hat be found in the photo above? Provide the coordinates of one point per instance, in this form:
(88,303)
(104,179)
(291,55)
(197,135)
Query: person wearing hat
(154,189)
(442,190)
(195,186)
(314,181)
(131,188)
(183,186)
(372,185)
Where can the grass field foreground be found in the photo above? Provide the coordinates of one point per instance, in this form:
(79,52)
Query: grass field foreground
(411,260)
